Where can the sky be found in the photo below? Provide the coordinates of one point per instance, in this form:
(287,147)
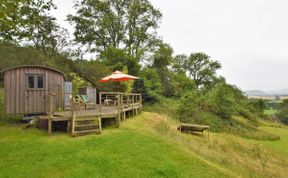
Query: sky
(248,37)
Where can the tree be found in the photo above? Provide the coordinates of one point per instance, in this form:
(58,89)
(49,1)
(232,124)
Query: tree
(201,68)
(29,22)
(118,59)
(91,71)
(121,24)
(151,84)
(179,63)
(225,100)
(161,60)
(257,106)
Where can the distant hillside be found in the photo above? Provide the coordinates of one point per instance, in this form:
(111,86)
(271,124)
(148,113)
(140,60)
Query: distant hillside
(255,93)
(267,93)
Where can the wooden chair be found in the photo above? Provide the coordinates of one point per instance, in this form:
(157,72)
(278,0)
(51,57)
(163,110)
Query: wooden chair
(78,102)
(88,104)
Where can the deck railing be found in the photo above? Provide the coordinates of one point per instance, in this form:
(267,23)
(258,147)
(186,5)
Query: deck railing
(56,101)
(116,98)
(122,102)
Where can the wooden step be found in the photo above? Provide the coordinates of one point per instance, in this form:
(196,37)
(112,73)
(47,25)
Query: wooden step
(87,131)
(86,119)
(86,125)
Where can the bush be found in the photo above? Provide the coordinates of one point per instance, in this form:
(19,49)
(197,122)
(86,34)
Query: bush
(224,100)
(283,112)
(191,106)
(151,84)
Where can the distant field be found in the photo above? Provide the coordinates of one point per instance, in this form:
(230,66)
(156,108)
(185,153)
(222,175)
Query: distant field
(270,112)
(268,97)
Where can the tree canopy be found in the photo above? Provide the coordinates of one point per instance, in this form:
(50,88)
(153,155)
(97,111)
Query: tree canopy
(123,34)
(122,24)
(29,22)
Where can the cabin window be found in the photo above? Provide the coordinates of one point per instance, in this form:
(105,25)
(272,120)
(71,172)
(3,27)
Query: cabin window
(40,82)
(35,81)
(31,83)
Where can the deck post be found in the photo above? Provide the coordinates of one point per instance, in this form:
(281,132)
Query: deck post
(133,105)
(100,123)
(69,124)
(118,110)
(51,98)
(124,115)
(140,107)
(121,101)
(100,102)
(73,125)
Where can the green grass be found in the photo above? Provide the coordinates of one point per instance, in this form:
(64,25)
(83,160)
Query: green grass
(270,112)
(148,145)
(124,152)
(243,156)
(280,146)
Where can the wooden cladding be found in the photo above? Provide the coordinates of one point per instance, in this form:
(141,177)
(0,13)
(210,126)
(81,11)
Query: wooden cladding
(27,88)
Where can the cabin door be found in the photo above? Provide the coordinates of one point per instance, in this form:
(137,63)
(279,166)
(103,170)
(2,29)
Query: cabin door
(35,93)
(58,97)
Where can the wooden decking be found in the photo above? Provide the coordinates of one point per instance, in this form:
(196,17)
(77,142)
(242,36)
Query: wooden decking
(104,112)
(81,120)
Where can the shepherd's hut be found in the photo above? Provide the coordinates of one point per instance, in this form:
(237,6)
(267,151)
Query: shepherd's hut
(27,89)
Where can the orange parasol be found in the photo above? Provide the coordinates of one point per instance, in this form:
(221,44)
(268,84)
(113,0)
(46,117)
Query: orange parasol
(118,76)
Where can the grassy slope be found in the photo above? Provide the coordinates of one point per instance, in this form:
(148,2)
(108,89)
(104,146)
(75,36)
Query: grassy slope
(242,156)
(124,152)
(145,146)
(278,147)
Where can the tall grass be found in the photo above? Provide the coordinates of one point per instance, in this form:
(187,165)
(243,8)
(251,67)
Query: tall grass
(241,156)
(237,125)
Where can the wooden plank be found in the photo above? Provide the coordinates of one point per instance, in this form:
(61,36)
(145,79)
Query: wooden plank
(21,91)
(86,131)
(73,125)
(77,119)
(16,106)
(6,91)
(100,124)
(109,115)
(87,125)
(100,102)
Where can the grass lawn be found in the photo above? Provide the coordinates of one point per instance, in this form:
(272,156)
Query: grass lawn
(278,147)
(124,152)
(148,145)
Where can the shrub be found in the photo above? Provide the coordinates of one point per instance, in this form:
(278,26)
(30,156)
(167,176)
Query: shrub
(283,112)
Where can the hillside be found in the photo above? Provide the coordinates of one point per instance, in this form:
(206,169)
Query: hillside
(267,93)
(146,146)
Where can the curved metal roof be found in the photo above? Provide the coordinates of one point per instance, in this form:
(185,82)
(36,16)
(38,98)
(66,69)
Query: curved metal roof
(23,66)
